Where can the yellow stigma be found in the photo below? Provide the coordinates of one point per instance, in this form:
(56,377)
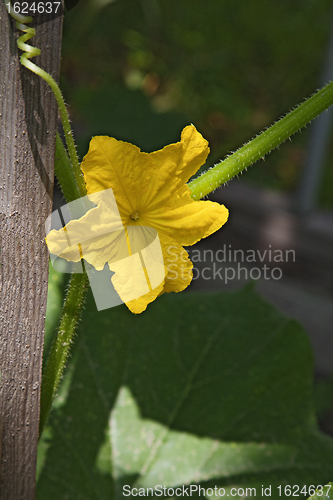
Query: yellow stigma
(135,215)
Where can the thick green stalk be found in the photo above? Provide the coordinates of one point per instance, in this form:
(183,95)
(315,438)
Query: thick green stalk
(55,365)
(262,144)
(74,300)
(65,174)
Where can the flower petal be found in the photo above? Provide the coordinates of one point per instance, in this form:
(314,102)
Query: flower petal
(188,221)
(140,304)
(142,181)
(175,164)
(98,237)
(118,165)
(178,265)
(133,279)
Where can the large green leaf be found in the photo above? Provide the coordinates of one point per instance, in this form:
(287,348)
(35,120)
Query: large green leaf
(209,389)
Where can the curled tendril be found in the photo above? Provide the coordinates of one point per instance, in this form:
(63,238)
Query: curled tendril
(29,52)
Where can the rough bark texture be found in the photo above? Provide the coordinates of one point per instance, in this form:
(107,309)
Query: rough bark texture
(28,115)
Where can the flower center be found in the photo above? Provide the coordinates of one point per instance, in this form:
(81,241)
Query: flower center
(135,215)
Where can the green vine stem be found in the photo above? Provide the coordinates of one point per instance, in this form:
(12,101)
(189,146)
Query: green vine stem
(262,144)
(64,173)
(28,53)
(56,362)
(74,300)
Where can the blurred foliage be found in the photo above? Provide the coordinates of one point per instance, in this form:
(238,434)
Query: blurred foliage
(218,393)
(141,69)
(324,403)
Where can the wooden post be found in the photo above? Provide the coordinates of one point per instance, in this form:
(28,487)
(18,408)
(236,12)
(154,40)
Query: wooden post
(28,116)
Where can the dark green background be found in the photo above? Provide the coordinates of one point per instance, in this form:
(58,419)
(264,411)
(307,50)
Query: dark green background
(139,70)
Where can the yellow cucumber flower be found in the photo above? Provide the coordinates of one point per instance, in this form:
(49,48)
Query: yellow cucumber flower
(152,196)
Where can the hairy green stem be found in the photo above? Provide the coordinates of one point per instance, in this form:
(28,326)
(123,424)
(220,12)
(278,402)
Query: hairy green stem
(75,165)
(55,365)
(262,144)
(65,174)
